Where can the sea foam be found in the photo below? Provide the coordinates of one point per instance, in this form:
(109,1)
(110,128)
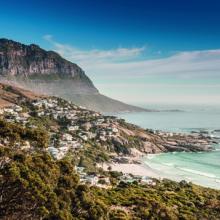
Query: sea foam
(210,175)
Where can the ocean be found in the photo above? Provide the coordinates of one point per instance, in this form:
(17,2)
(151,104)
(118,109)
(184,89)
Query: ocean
(199,168)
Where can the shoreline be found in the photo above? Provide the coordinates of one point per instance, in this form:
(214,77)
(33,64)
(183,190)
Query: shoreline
(137,167)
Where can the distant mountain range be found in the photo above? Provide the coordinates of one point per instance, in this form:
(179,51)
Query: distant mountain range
(46,72)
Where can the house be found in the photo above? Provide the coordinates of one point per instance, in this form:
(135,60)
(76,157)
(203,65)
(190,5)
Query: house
(114,130)
(91,135)
(79,169)
(37,104)
(73,128)
(67,137)
(86,126)
(8,110)
(60,155)
(148,181)
(74,144)
(18,108)
(64,149)
(84,137)
(70,116)
(56,153)
(99,121)
(26,145)
(91,179)
(102,138)
(55,116)
(127,178)
(53,151)
(39,114)
(50,105)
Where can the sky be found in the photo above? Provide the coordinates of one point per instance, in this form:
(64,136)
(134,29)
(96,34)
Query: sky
(142,51)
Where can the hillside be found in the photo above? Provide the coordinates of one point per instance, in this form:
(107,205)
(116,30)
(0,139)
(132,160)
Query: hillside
(11,95)
(47,72)
(50,152)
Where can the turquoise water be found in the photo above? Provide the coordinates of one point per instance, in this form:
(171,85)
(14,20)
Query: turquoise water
(200,168)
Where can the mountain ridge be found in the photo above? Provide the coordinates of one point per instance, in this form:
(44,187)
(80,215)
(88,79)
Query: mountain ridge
(34,68)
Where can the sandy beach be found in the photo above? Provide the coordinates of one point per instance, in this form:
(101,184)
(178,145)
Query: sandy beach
(134,169)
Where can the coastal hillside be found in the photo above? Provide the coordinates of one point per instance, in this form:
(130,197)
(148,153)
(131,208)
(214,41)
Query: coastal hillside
(111,133)
(85,135)
(51,156)
(47,72)
(11,95)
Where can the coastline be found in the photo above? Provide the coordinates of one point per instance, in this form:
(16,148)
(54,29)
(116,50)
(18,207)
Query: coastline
(136,167)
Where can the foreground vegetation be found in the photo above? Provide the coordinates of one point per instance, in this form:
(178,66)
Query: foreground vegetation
(35,186)
(166,200)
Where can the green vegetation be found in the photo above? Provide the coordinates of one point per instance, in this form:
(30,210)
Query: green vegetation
(35,186)
(15,133)
(166,200)
(43,122)
(91,154)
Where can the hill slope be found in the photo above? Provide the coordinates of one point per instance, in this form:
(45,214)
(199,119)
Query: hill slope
(49,155)
(11,95)
(47,72)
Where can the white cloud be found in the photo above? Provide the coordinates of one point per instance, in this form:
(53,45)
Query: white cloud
(48,37)
(120,71)
(90,57)
(183,64)
(123,62)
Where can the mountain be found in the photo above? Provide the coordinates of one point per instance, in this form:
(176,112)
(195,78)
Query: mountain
(46,72)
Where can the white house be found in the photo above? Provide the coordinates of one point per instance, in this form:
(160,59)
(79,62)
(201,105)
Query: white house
(26,145)
(73,128)
(67,137)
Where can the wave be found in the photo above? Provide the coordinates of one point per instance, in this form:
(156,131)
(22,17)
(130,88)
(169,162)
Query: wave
(174,152)
(168,164)
(209,175)
(204,161)
(151,156)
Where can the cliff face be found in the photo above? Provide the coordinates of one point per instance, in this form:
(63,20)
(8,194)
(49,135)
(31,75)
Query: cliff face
(30,61)
(46,72)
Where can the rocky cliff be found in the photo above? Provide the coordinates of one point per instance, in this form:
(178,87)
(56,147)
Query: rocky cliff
(33,63)
(47,72)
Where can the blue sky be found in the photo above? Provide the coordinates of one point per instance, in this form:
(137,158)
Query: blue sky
(135,51)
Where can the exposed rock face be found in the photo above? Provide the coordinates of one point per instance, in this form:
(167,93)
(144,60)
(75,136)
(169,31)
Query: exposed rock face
(156,142)
(19,59)
(33,63)
(47,72)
